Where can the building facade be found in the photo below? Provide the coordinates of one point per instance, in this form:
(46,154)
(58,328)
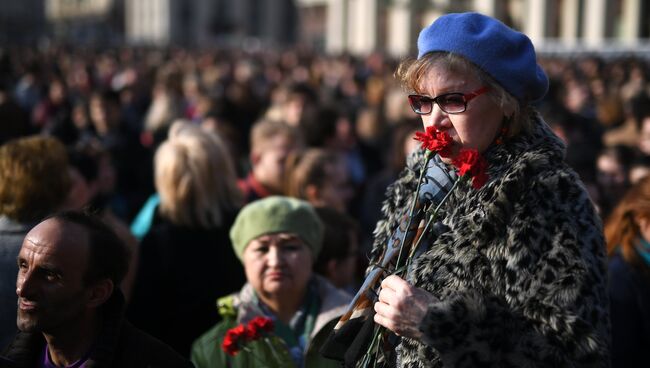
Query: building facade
(21,21)
(206,22)
(334,26)
(363,26)
(85,21)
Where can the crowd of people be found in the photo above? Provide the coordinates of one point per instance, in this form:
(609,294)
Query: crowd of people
(179,152)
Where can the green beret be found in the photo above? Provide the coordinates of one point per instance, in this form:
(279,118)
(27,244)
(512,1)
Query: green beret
(277,214)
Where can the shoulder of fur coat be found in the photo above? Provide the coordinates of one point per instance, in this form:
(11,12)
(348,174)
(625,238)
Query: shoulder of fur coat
(520,274)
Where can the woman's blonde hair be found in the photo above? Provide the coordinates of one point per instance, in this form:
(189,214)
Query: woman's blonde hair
(412,73)
(195,177)
(621,228)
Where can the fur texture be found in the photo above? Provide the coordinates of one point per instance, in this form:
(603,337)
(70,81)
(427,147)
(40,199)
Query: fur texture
(520,273)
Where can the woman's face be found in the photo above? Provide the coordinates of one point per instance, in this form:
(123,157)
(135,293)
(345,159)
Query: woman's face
(474,128)
(278,265)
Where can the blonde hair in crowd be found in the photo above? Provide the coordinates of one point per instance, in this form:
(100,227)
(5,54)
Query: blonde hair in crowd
(195,177)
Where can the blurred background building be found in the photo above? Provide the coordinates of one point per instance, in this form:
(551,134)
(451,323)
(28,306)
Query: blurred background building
(335,26)
(21,21)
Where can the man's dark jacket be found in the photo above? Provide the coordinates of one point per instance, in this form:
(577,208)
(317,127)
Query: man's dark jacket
(119,345)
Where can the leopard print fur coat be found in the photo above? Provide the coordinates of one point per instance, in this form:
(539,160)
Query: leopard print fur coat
(520,272)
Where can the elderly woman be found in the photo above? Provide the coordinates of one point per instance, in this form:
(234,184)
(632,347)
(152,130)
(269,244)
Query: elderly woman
(277,240)
(516,277)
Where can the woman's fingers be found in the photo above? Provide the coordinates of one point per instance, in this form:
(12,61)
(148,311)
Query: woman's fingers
(401,307)
(395,283)
(387,296)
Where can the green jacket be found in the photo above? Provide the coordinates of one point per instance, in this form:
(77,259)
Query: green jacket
(236,309)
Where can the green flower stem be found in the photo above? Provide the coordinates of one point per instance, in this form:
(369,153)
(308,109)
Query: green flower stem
(373,346)
(270,346)
(430,220)
(375,342)
(415,201)
(255,357)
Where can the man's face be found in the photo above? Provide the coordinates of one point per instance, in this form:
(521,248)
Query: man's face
(51,266)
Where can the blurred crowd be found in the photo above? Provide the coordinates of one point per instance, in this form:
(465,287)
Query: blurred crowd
(122,102)
(169,144)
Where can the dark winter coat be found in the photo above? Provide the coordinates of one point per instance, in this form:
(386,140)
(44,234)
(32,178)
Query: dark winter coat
(520,273)
(181,272)
(629,293)
(119,345)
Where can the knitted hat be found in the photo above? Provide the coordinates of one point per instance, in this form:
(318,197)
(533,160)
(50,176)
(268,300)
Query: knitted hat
(505,54)
(277,214)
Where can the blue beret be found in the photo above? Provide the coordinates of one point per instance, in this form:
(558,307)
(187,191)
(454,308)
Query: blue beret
(505,54)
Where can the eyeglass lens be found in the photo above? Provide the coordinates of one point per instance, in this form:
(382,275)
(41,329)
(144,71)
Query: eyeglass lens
(449,103)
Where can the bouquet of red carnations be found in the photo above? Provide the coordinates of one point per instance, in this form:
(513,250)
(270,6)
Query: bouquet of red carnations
(256,339)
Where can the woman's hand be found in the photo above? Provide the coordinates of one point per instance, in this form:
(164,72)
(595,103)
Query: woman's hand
(401,307)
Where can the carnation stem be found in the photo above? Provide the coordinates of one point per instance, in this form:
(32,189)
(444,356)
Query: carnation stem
(413,205)
(375,342)
(255,357)
(273,352)
(432,217)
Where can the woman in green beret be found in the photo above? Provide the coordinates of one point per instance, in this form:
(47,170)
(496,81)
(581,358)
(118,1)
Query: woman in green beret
(277,240)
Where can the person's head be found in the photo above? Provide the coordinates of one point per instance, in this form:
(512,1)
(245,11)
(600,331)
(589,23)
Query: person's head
(482,74)
(195,177)
(34,178)
(402,143)
(105,111)
(327,127)
(277,239)
(84,171)
(338,258)
(271,143)
(320,177)
(612,168)
(68,267)
(629,220)
(57,91)
(300,95)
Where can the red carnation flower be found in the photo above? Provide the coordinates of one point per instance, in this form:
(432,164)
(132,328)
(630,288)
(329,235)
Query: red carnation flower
(258,325)
(436,141)
(234,338)
(470,162)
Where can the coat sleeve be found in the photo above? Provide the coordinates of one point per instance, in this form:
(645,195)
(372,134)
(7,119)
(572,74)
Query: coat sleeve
(206,350)
(549,305)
